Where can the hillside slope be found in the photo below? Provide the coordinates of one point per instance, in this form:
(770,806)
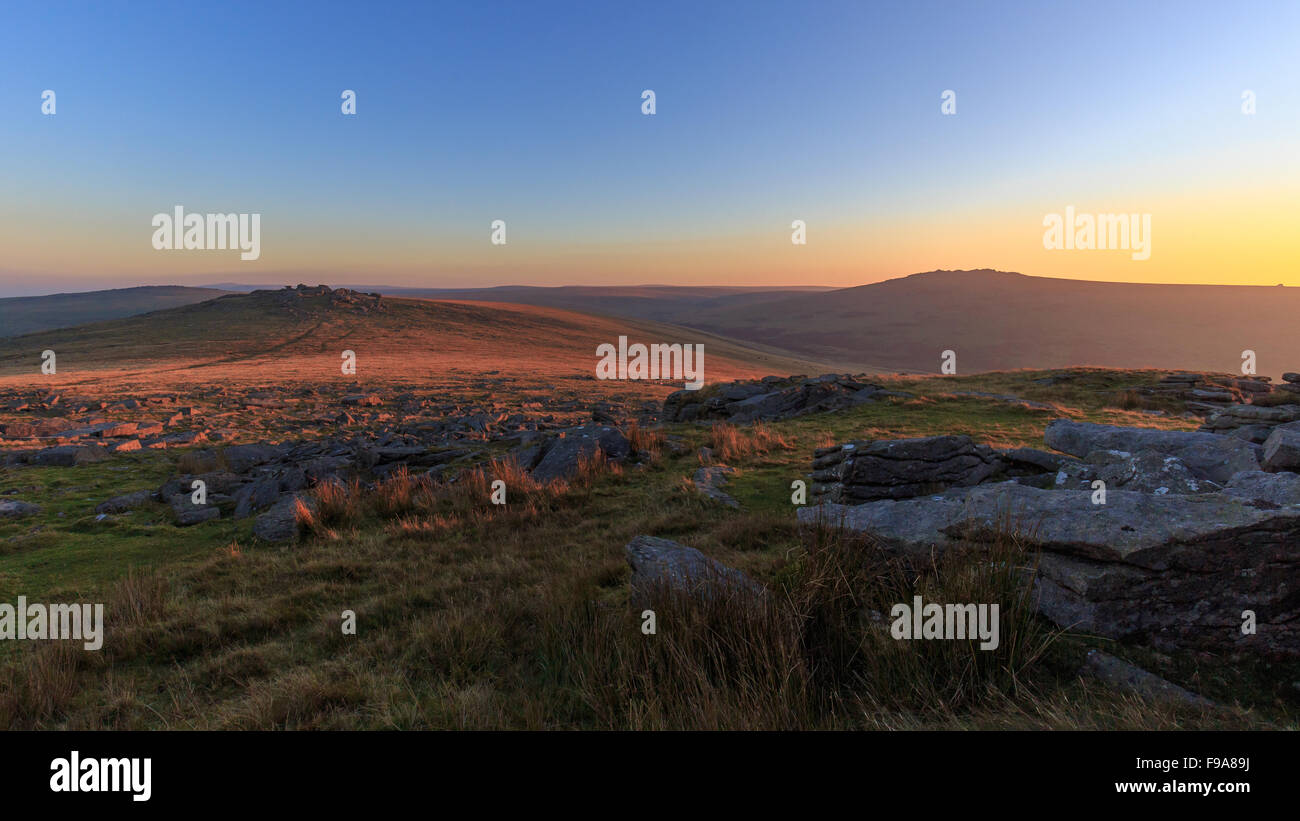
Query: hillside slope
(303,332)
(996,320)
(29,314)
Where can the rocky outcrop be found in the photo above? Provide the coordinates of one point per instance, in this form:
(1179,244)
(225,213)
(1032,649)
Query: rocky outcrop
(1123,676)
(68,455)
(658,563)
(899,468)
(280,523)
(772,398)
(1282,449)
(185,513)
(1147,471)
(1206,455)
(1174,570)
(560,457)
(1267,409)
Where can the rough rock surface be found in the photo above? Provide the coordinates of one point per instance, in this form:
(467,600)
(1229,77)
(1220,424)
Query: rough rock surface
(1176,570)
(68,455)
(772,398)
(280,523)
(125,502)
(561,458)
(709,481)
(657,561)
(1147,470)
(1206,455)
(900,468)
(186,513)
(13,509)
(1282,450)
(1124,676)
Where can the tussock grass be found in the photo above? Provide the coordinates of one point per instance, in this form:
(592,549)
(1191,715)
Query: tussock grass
(43,684)
(730,442)
(644,441)
(816,652)
(411,505)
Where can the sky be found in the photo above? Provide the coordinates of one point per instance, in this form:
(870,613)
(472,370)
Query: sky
(531,113)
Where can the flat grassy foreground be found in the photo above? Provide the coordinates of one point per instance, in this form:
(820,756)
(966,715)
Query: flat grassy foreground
(471,615)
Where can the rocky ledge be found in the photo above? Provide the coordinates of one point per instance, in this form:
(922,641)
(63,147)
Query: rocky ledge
(1187,534)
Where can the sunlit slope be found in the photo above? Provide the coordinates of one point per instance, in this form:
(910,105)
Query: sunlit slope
(287,333)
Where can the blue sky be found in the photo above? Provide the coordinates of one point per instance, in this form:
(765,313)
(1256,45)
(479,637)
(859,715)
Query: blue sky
(530,112)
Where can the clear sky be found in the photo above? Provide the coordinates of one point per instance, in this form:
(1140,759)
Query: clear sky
(530,112)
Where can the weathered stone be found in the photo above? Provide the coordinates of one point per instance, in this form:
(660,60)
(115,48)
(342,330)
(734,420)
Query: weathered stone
(128,501)
(214,482)
(1147,471)
(771,398)
(709,481)
(243,458)
(116,429)
(255,496)
(657,562)
(562,457)
(1176,570)
(902,468)
(1282,450)
(1124,676)
(1264,490)
(1030,459)
(69,455)
(186,513)
(1207,455)
(280,523)
(14,509)
(1258,434)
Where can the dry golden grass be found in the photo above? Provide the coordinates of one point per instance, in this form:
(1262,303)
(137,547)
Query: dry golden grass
(730,442)
(815,653)
(44,683)
(647,441)
(138,598)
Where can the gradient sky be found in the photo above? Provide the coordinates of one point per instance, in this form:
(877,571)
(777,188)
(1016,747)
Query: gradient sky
(531,112)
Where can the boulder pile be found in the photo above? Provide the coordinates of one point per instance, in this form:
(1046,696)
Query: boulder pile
(1267,412)
(772,397)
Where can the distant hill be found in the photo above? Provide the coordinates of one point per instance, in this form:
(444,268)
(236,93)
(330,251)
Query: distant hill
(997,320)
(663,303)
(993,320)
(27,314)
(268,334)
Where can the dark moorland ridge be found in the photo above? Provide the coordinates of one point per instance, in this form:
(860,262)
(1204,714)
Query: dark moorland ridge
(994,320)
(29,314)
